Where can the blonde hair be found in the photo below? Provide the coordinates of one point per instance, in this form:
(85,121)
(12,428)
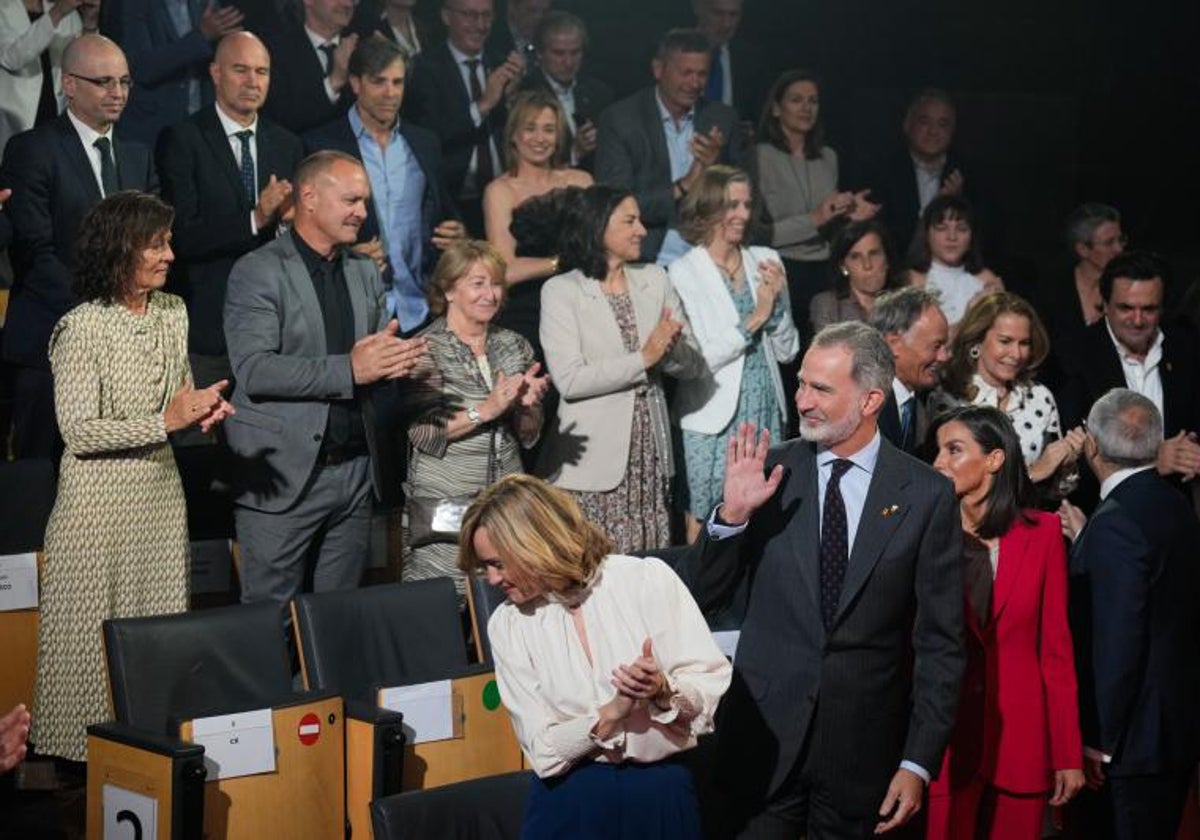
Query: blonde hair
(704,205)
(537,527)
(523,107)
(456,261)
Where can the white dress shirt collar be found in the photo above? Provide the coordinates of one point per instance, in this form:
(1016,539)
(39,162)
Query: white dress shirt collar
(665,115)
(864,458)
(318,41)
(901,392)
(1110,484)
(1153,355)
(231,126)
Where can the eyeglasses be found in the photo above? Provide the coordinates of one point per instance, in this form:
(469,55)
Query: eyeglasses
(1110,242)
(472,15)
(109,83)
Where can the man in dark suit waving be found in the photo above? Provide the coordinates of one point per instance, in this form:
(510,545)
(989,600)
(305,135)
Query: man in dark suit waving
(1135,586)
(57,172)
(851,651)
(227,172)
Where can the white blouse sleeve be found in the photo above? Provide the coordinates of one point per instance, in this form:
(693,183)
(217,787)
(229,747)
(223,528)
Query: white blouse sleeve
(551,744)
(697,671)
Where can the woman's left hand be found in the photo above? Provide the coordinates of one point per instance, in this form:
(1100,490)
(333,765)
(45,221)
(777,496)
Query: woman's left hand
(863,208)
(217,415)
(534,387)
(641,679)
(1067,783)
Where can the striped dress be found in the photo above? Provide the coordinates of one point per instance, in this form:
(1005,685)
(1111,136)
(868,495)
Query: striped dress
(439,467)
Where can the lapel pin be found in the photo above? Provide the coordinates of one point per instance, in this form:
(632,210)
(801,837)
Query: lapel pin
(890,509)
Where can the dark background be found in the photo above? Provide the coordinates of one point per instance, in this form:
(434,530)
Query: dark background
(1060,101)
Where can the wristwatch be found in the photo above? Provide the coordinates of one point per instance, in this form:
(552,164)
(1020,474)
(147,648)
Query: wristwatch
(473,415)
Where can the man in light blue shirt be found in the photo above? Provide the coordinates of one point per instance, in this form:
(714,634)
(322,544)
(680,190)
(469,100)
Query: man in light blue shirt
(411,216)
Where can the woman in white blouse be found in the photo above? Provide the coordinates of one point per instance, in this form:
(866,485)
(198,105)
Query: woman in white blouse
(604,662)
(945,256)
(999,346)
(736,299)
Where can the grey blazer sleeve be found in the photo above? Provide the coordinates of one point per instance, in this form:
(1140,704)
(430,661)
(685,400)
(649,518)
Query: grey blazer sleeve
(255,308)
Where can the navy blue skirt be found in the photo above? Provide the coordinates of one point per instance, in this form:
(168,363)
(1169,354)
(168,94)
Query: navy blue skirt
(598,801)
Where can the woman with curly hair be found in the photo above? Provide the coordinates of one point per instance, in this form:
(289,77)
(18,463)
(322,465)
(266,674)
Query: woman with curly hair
(117,540)
(604,662)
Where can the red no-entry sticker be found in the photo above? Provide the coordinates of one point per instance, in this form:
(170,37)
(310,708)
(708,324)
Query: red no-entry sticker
(309,729)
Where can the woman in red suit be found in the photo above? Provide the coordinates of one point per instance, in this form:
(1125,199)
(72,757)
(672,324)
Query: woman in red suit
(1016,743)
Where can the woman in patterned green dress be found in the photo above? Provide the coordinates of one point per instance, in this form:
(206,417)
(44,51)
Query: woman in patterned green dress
(736,299)
(117,542)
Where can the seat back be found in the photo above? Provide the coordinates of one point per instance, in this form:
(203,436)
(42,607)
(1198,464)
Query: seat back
(483,598)
(165,668)
(491,808)
(27,489)
(355,641)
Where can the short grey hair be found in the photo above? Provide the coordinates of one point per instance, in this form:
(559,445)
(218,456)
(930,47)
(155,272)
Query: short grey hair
(1085,219)
(896,311)
(872,364)
(1128,428)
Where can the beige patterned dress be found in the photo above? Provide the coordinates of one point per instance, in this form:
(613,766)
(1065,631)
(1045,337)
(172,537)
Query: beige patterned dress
(117,543)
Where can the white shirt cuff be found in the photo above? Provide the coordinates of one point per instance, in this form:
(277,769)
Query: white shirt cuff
(719,531)
(916,768)
(476,114)
(253,225)
(1093,753)
(330,92)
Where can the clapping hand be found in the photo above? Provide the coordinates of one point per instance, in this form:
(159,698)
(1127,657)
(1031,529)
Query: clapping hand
(384,355)
(747,487)
(1180,455)
(862,208)
(661,339)
(534,389)
(191,406)
(641,679)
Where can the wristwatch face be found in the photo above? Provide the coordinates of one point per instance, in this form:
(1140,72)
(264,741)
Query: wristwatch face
(473,414)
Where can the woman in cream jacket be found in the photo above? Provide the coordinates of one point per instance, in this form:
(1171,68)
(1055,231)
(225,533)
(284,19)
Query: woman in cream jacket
(610,330)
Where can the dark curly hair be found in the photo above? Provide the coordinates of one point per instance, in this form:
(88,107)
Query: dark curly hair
(945,208)
(111,239)
(569,222)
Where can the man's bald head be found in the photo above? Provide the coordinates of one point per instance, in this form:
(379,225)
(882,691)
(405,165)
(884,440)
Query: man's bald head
(241,75)
(95,81)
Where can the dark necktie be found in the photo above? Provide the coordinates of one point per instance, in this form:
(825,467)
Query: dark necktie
(328,49)
(908,423)
(248,182)
(835,543)
(716,78)
(483,150)
(108,169)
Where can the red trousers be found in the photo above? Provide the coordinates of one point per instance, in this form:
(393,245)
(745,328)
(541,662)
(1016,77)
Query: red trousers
(978,809)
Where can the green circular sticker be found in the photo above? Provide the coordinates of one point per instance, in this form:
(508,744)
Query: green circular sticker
(491,696)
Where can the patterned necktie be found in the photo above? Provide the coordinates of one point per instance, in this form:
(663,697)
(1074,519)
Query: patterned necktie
(249,184)
(328,50)
(908,423)
(483,151)
(715,88)
(835,543)
(108,169)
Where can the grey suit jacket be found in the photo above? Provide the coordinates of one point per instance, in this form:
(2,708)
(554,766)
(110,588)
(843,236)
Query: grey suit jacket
(631,152)
(285,379)
(882,685)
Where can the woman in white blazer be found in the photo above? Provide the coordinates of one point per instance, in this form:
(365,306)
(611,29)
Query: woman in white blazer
(736,300)
(610,330)
(22,42)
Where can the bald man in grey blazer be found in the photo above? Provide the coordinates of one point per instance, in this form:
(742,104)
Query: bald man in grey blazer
(315,360)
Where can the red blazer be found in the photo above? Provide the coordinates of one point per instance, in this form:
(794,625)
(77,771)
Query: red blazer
(1018,720)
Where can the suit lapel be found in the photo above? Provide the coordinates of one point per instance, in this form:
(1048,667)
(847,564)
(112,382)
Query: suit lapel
(660,157)
(801,492)
(214,136)
(646,306)
(300,288)
(72,148)
(884,510)
(1013,547)
(1172,385)
(356,284)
